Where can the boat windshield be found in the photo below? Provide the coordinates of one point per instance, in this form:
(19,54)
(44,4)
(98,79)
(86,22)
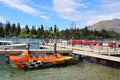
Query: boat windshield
(21,55)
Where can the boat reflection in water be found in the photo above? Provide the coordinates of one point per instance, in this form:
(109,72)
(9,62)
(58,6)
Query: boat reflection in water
(25,61)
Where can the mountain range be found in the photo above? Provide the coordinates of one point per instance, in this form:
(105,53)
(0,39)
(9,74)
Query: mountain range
(109,25)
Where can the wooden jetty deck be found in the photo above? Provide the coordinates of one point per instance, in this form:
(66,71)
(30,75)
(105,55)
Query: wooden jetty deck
(102,52)
(18,51)
(94,51)
(45,51)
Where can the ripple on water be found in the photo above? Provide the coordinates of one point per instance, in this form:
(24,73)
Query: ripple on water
(80,71)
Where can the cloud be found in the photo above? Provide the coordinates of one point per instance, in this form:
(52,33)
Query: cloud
(19,4)
(68,9)
(98,18)
(46,18)
(87,13)
(3,20)
(111,5)
(108,10)
(24,7)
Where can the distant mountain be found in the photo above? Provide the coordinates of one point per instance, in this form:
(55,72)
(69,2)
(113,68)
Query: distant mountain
(109,25)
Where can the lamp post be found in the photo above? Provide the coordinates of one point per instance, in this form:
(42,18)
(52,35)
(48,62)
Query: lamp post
(73,26)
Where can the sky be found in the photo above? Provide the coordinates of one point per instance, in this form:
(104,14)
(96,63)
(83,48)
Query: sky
(60,12)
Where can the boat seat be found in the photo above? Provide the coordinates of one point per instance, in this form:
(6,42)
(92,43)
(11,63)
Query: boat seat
(58,55)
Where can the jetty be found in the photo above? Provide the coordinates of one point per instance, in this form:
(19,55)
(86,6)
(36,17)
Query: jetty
(43,51)
(104,55)
(39,51)
(102,52)
(98,54)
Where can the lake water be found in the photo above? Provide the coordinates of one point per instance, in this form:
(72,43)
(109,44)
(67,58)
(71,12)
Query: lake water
(82,71)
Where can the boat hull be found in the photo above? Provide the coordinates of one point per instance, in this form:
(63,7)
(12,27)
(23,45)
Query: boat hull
(25,61)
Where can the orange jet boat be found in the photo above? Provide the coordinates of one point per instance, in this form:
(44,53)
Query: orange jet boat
(25,61)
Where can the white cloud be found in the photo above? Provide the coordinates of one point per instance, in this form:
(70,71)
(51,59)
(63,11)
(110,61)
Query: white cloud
(3,20)
(72,10)
(68,9)
(19,4)
(44,17)
(111,5)
(82,11)
(98,18)
(24,7)
(109,9)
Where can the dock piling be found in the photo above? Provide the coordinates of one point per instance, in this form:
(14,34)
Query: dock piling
(7,59)
(55,51)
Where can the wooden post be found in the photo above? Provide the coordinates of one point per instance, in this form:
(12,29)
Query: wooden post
(55,46)
(28,45)
(55,51)
(7,59)
(80,58)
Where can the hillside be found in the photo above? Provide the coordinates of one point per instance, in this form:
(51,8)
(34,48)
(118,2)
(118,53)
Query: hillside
(109,25)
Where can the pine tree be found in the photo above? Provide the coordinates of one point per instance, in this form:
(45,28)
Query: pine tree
(13,30)
(42,30)
(55,28)
(28,30)
(7,29)
(39,32)
(33,32)
(18,29)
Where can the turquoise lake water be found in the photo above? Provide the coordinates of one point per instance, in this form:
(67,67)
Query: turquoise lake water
(81,71)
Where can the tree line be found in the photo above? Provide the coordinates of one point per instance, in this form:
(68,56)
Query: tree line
(15,30)
(89,34)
